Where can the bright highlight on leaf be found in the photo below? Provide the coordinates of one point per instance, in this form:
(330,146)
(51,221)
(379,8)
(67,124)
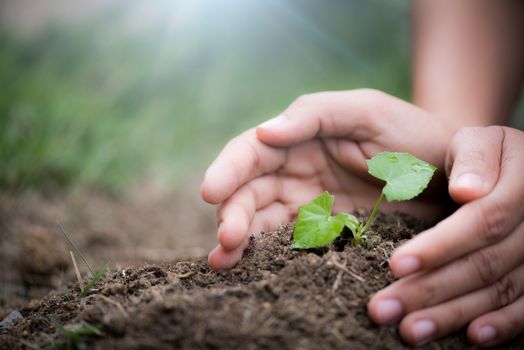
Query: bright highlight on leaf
(406,177)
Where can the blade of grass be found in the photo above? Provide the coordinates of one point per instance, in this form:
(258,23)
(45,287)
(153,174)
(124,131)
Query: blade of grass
(98,275)
(75,247)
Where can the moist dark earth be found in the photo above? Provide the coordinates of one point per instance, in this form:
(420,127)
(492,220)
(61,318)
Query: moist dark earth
(275,298)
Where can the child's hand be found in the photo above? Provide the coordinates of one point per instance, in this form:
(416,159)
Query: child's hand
(469,269)
(319,143)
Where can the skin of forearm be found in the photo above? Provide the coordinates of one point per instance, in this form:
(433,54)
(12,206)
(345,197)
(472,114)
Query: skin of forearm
(468,59)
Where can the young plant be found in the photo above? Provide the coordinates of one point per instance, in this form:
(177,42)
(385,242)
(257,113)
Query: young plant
(95,275)
(98,275)
(406,177)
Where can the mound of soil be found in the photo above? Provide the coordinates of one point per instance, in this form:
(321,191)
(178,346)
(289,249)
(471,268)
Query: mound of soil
(275,298)
(142,226)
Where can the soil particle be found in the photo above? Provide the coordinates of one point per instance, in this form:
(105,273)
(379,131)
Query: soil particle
(276,297)
(114,289)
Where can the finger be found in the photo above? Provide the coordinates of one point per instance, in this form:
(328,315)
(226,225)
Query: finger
(474,159)
(324,114)
(476,271)
(357,115)
(265,220)
(236,214)
(476,224)
(270,217)
(242,159)
(220,259)
(498,326)
(422,326)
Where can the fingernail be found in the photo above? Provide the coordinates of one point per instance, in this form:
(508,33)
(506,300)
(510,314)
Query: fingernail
(407,265)
(275,123)
(486,334)
(388,310)
(423,331)
(469,180)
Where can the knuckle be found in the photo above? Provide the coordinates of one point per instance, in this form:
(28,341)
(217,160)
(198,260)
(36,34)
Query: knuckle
(253,193)
(236,142)
(371,94)
(254,155)
(460,138)
(371,97)
(374,104)
(471,132)
(465,132)
(304,100)
(486,265)
(468,135)
(231,143)
(472,156)
(429,294)
(493,220)
(504,291)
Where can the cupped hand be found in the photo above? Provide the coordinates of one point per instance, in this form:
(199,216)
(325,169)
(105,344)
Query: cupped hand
(468,269)
(320,142)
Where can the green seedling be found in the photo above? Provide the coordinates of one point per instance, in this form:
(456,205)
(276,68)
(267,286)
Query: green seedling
(405,176)
(96,275)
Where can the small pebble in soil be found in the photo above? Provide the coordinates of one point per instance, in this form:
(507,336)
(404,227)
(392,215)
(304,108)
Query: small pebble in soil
(11,320)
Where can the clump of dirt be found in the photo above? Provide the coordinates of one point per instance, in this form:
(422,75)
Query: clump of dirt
(276,297)
(42,257)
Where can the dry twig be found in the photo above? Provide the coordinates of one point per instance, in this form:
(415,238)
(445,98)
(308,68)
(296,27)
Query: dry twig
(78,276)
(344,268)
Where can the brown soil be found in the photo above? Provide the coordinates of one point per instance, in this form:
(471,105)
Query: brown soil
(140,227)
(275,298)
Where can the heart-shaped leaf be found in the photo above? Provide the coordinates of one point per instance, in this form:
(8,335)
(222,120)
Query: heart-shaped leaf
(406,176)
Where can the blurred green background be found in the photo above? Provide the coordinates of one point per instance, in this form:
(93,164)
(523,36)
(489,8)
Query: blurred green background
(112,93)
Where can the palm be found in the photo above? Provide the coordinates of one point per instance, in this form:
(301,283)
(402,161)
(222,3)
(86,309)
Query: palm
(318,165)
(312,168)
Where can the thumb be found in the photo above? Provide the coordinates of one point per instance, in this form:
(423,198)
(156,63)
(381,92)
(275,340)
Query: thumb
(474,160)
(326,114)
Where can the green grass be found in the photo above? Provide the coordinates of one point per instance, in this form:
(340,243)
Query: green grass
(107,101)
(97,276)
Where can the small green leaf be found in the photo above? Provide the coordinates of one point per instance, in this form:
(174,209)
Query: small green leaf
(315,227)
(406,176)
(350,221)
(98,275)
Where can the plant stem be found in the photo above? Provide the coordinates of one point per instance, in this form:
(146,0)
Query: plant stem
(373,213)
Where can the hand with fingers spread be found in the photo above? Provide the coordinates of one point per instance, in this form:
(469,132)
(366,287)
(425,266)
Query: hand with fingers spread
(319,143)
(468,269)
